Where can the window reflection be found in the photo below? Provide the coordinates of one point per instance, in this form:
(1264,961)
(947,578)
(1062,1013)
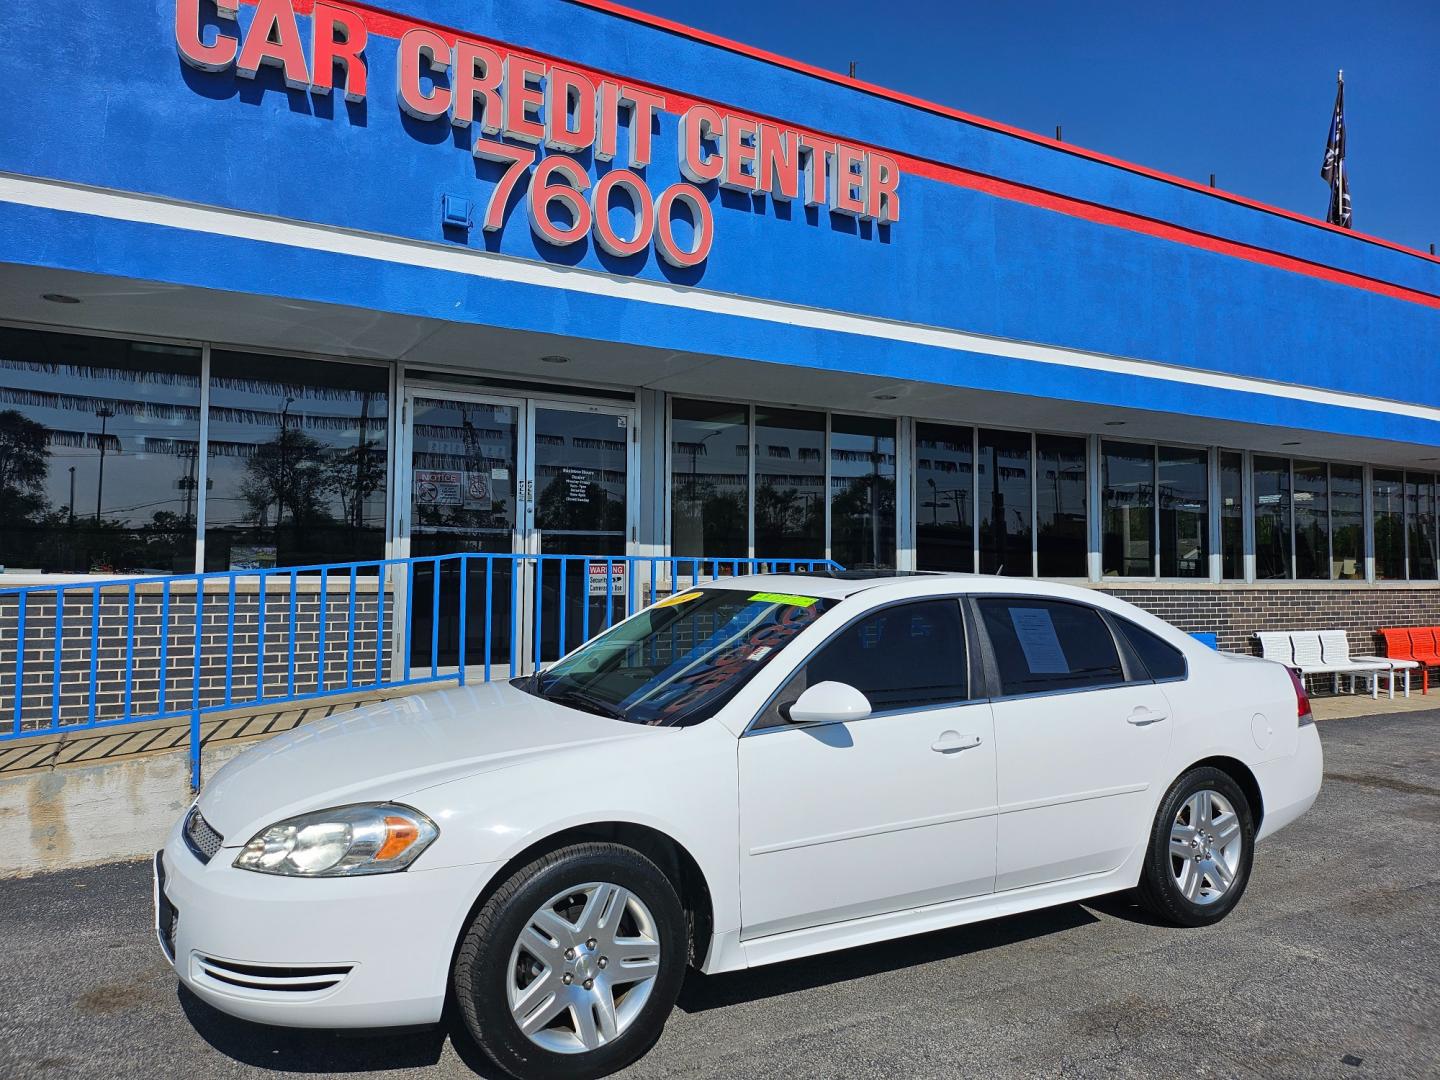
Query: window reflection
(862,487)
(1347,522)
(1420,515)
(297,459)
(789,484)
(1061,543)
(1232,516)
(1272,518)
(1128,529)
(1183,486)
(1002,483)
(1312,521)
(709,479)
(944,496)
(98,454)
(1389,511)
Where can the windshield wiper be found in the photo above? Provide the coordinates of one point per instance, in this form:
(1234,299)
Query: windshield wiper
(587,702)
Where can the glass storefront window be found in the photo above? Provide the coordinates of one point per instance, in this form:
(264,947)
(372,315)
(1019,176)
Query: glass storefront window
(1060,487)
(1128,528)
(1312,521)
(1272,518)
(862,488)
(1347,522)
(1183,485)
(709,479)
(944,497)
(297,460)
(789,484)
(1388,495)
(1420,517)
(1232,516)
(99,461)
(1002,493)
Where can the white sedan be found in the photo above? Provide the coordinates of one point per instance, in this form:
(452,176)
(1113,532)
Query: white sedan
(756,770)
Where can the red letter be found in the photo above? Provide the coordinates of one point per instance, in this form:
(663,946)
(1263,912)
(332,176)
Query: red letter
(563,89)
(778,163)
(698,123)
(883,187)
(417,44)
(477,72)
(274,38)
(817,153)
(337,35)
(642,108)
(740,137)
(607,120)
(522,99)
(847,181)
(193,51)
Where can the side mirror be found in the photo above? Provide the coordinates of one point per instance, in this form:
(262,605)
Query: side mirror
(828,703)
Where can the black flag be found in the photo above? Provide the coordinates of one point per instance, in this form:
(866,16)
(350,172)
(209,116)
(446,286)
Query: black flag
(1333,171)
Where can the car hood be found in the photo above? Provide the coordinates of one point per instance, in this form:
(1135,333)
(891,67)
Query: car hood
(390,749)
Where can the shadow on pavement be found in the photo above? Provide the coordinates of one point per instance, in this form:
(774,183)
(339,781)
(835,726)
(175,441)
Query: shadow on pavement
(303,1051)
(704,992)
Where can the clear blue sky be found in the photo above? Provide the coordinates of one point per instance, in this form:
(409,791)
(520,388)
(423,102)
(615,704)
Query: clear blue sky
(1240,89)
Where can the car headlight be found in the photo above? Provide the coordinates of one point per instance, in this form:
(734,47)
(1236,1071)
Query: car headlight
(369,838)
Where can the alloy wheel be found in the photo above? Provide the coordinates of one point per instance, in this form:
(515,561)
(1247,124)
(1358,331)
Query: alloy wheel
(1206,845)
(583,967)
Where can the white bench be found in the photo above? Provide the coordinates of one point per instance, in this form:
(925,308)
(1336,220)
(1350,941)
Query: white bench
(1327,652)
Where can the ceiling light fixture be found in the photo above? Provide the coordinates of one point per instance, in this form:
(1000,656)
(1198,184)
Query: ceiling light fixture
(554,359)
(884,397)
(1114,423)
(60,298)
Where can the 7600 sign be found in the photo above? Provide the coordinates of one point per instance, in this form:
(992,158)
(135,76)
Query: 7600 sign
(561,179)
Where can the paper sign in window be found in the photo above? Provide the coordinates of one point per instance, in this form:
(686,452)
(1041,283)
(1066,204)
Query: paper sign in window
(1036,632)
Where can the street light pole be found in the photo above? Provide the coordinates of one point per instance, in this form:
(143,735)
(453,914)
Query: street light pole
(105,413)
(72,496)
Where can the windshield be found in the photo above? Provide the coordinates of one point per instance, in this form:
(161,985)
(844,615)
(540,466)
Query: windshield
(682,659)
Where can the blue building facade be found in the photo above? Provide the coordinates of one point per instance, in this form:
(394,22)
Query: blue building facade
(288,281)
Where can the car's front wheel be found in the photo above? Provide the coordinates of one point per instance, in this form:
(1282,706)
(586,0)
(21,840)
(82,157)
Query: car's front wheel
(571,967)
(1201,848)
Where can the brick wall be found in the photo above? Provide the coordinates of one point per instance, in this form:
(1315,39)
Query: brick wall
(1235,613)
(162,650)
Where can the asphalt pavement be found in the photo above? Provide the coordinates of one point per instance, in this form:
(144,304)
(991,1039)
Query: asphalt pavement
(1330,967)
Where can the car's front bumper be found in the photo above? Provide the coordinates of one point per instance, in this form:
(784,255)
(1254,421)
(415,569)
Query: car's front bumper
(359,952)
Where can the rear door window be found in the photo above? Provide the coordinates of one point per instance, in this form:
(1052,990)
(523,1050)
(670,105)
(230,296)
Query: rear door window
(1042,646)
(1161,659)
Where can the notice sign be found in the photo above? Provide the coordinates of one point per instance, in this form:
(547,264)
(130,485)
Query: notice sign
(477,491)
(577,484)
(437,487)
(616,578)
(1036,631)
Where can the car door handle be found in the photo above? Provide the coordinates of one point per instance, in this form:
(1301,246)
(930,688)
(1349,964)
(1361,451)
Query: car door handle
(1142,716)
(951,741)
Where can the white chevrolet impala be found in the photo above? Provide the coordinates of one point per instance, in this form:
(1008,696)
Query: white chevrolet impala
(753,771)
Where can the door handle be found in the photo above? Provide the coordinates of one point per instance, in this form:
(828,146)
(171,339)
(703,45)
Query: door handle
(951,741)
(1142,716)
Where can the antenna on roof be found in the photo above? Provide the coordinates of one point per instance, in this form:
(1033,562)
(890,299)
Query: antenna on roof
(1059,134)
(852,69)
(1212,179)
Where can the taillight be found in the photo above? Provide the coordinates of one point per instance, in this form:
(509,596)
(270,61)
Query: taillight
(1302,699)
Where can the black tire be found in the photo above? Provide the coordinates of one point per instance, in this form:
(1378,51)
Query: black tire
(482,964)
(1158,891)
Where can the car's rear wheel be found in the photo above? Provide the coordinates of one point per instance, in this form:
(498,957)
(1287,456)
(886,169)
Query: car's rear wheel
(1201,848)
(572,966)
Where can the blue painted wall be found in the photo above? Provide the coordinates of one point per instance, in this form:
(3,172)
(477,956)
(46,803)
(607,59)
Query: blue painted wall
(101,96)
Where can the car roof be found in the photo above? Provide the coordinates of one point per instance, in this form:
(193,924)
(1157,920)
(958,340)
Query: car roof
(900,583)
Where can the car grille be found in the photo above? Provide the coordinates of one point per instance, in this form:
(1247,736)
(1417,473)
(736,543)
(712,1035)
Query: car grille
(200,838)
(271,978)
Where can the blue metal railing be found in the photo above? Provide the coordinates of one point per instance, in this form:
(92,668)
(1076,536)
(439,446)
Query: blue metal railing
(134,650)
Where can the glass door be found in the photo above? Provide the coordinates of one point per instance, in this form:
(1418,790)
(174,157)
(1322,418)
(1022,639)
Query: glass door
(583,479)
(465,463)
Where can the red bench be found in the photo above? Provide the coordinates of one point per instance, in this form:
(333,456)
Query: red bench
(1418,643)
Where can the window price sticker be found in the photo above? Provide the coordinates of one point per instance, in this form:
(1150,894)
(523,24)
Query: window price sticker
(784,598)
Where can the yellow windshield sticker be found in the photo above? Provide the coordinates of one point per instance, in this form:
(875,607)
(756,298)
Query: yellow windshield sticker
(785,598)
(679,598)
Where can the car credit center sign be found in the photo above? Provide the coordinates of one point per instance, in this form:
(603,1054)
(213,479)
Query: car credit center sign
(519,103)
